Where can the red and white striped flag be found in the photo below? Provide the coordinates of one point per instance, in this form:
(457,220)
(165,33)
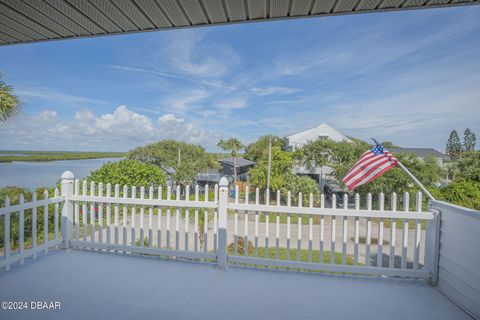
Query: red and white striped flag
(371,165)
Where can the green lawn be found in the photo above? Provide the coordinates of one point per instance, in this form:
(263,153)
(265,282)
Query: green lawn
(411,223)
(303,255)
(316,220)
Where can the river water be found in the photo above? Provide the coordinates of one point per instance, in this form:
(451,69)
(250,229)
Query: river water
(32,175)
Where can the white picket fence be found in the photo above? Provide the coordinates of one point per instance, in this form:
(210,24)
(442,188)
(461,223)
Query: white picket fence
(17,213)
(184,223)
(131,220)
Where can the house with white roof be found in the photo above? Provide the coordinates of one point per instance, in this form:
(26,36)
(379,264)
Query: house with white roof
(323,131)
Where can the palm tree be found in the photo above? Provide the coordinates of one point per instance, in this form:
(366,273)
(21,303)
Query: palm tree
(232,145)
(9,104)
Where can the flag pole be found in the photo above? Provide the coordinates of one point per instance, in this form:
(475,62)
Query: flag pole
(429,195)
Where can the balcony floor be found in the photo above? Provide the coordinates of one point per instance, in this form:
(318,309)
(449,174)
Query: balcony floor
(93,285)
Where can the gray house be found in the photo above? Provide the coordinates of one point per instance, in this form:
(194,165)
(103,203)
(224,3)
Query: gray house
(211,179)
(213,176)
(422,153)
(243,165)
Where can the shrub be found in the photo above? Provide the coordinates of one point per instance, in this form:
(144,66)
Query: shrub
(146,242)
(14,193)
(129,172)
(281,165)
(165,154)
(303,184)
(241,247)
(468,166)
(463,193)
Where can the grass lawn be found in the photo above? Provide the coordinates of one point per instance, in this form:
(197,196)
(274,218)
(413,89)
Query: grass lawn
(316,220)
(282,253)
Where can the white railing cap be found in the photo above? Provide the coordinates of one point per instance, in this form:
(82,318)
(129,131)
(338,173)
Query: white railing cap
(68,175)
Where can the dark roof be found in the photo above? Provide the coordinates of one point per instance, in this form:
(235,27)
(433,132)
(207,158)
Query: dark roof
(212,177)
(241,162)
(420,152)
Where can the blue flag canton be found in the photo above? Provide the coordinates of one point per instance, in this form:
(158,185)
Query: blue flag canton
(377,150)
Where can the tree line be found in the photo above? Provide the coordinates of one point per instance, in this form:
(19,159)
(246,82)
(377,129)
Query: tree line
(454,147)
(149,165)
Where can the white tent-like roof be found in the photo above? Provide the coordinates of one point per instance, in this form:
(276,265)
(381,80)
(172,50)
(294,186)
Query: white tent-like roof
(322,131)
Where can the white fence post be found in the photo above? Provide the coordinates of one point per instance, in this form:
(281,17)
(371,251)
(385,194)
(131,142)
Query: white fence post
(222,224)
(67,209)
(432,246)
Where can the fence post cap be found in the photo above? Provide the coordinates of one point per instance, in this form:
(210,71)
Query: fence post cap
(67,175)
(223,182)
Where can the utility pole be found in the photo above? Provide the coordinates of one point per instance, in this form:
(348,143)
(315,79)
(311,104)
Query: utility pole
(234,154)
(179,156)
(269,160)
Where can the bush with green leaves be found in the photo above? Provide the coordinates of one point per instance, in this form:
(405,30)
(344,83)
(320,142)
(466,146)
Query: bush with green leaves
(463,193)
(130,173)
(281,166)
(282,177)
(468,166)
(304,184)
(186,159)
(259,149)
(13,193)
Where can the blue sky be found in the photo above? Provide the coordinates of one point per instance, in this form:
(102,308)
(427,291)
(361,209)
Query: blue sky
(408,77)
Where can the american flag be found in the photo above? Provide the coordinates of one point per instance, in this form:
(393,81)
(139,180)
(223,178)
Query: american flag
(370,166)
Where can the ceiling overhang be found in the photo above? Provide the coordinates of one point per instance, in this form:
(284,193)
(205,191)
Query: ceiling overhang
(25,21)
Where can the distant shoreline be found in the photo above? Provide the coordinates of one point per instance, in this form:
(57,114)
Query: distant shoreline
(43,156)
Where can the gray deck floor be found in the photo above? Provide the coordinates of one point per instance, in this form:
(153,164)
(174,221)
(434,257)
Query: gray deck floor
(92,285)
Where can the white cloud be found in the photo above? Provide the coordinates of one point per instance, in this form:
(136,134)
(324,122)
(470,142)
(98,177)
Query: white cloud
(211,83)
(169,118)
(231,104)
(54,95)
(184,100)
(190,52)
(192,132)
(122,129)
(274,90)
(287,67)
(125,121)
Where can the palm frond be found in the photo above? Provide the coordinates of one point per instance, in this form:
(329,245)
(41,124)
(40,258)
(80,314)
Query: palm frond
(10,104)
